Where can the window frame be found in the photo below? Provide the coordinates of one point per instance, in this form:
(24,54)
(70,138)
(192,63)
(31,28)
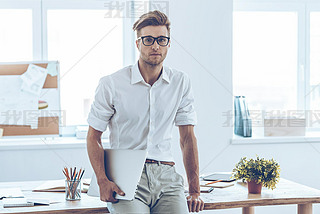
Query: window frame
(311,7)
(303,9)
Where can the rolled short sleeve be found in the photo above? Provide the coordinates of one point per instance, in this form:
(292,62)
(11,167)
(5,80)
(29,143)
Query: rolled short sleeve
(102,108)
(186,114)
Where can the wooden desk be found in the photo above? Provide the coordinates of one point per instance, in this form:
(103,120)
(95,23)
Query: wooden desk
(287,192)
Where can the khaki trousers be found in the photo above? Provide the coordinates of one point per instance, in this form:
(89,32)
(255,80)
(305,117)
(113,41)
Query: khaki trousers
(160,191)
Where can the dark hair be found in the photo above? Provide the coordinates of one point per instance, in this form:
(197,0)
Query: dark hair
(152,18)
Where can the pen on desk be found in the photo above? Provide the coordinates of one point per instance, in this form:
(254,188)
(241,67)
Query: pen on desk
(210,190)
(213,182)
(206,190)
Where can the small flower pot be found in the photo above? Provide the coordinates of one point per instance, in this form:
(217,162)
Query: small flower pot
(254,188)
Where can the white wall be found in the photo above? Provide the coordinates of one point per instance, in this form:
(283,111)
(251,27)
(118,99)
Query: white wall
(202,47)
(202,44)
(43,161)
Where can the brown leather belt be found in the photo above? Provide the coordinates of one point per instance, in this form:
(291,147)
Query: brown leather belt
(158,162)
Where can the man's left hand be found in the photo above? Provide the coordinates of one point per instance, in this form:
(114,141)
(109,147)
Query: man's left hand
(195,204)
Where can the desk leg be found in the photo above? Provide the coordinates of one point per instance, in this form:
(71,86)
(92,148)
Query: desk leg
(304,208)
(247,210)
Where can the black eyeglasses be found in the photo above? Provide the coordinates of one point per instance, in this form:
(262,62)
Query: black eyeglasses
(149,40)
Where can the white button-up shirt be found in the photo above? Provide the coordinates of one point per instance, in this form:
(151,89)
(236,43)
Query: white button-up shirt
(141,116)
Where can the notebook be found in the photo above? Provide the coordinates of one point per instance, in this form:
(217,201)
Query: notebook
(124,168)
(223,176)
(24,202)
(16,202)
(51,186)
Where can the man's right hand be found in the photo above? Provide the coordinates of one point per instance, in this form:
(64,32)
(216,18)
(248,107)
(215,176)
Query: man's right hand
(108,191)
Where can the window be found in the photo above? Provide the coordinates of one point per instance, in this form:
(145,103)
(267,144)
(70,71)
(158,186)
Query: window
(16,35)
(90,39)
(20,35)
(88,47)
(276,51)
(265,58)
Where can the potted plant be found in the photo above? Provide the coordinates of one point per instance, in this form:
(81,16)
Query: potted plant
(257,172)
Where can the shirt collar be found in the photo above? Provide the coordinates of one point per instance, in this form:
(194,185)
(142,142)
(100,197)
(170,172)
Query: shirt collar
(137,77)
(135,74)
(165,75)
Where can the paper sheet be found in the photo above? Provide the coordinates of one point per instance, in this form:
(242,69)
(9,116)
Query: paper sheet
(11,193)
(52,69)
(57,186)
(33,79)
(17,107)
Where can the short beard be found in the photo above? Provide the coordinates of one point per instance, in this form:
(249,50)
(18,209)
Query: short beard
(153,64)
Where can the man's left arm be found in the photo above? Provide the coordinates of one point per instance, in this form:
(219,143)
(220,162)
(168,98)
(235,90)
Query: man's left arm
(188,144)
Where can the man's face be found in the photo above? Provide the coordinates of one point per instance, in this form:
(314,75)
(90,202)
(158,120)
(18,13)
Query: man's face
(154,54)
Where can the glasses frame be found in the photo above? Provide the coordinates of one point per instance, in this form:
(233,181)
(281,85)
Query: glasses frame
(154,39)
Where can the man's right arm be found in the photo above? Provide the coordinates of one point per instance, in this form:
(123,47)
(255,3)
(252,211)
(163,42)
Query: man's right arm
(96,156)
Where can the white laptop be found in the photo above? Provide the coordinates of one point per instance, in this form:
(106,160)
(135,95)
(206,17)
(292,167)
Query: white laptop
(124,168)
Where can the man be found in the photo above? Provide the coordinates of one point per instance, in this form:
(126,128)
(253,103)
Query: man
(140,104)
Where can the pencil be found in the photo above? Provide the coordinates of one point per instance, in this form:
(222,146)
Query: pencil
(64,173)
(74,172)
(213,182)
(73,179)
(79,174)
(67,173)
(82,174)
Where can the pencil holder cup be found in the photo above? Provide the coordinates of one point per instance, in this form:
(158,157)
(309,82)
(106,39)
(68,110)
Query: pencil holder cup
(73,190)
